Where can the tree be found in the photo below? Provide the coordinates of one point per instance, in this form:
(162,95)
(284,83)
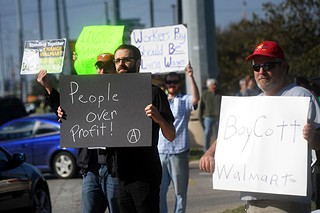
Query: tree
(295,24)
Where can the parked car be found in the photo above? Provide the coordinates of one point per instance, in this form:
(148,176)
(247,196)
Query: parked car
(22,186)
(38,136)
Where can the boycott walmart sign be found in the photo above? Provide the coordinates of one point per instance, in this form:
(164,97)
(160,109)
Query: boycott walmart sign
(163,49)
(106,110)
(260,146)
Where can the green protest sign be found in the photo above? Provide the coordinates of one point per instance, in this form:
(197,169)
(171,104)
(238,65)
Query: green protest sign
(92,41)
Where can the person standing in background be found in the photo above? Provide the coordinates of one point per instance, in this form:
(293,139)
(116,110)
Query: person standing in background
(174,155)
(242,88)
(209,112)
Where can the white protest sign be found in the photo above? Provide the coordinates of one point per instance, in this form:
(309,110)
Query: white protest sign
(163,49)
(43,55)
(260,145)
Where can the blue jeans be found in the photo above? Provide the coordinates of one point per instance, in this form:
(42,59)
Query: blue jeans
(110,189)
(210,129)
(92,197)
(175,168)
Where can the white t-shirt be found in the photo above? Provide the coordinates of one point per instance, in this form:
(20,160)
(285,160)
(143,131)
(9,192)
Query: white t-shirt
(314,119)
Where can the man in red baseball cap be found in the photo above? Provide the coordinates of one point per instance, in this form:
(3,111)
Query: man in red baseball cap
(270,70)
(268,48)
(270,67)
(104,64)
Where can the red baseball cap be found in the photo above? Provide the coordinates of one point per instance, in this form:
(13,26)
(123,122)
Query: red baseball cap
(269,49)
(104,57)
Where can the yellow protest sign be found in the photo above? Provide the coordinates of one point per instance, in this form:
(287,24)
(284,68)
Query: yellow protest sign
(92,41)
(43,54)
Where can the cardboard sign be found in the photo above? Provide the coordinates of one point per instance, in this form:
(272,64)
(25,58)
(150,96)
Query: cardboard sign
(260,147)
(163,49)
(43,55)
(106,110)
(92,41)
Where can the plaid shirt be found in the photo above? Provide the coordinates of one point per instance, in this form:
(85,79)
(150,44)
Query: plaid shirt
(181,107)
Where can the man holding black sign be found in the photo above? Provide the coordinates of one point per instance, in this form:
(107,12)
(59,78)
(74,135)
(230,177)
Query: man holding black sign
(137,168)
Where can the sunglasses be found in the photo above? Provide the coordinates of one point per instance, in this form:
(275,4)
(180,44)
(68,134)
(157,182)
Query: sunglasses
(125,60)
(100,65)
(266,66)
(172,82)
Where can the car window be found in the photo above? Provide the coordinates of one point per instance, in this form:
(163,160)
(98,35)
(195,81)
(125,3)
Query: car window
(17,130)
(45,128)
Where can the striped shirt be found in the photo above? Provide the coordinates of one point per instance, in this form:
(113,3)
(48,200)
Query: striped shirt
(181,107)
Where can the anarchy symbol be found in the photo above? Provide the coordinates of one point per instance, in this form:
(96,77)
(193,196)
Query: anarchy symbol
(134,135)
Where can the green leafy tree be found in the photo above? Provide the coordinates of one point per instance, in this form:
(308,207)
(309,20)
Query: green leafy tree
(295,24)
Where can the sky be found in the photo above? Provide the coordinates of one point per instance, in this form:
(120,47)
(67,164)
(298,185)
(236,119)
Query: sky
(81,13)
(92,12)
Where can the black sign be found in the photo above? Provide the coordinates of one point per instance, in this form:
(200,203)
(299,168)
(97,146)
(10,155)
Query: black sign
(106,110)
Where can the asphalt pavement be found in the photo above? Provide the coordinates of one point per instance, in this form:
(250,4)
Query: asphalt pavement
(66,194)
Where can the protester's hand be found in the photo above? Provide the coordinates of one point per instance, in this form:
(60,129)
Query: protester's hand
(61,114)
(207,163)
(42,78)
(74,56)
(309,133)
(152,112)
(189,70)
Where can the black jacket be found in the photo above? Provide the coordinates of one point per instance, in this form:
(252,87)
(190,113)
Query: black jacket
(85,156)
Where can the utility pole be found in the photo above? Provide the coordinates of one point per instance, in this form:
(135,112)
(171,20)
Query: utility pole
(114,12)
(40,19)
(58,18)
(151,14)
(107,12)
(2,79)
(174,15)
(180,15)
(23,82)
(67,50)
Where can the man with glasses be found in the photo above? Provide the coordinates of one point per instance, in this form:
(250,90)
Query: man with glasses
(270,70)
(138,168)
(174,155)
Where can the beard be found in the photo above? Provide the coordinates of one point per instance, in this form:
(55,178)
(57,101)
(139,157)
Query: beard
(128,69)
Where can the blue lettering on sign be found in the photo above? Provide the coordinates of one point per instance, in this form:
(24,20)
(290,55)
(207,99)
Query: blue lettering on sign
(177,35)
(150,36)
(175,49)
(150,64)
(151,51)
(170,62)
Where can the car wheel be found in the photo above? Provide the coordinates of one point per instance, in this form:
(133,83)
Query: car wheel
(41,201)
(64,165)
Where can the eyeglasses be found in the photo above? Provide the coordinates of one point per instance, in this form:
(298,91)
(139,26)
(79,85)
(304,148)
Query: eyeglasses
(125,60)
(172,82)
(266,66)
